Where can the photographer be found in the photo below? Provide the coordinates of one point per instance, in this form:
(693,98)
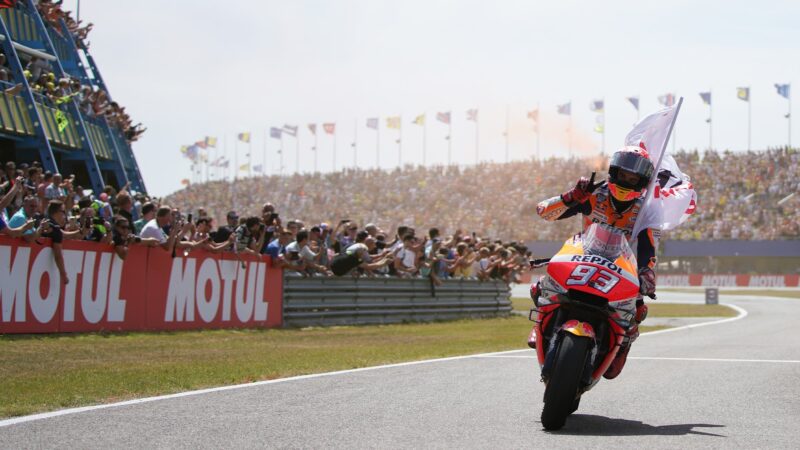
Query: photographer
(52,228)
(122,237)
(357,256)
(301,258)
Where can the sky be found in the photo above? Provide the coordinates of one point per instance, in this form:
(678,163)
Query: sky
(190,69)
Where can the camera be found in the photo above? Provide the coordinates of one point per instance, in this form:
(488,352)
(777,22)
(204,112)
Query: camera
(294,256)
(380,245)
(189,218)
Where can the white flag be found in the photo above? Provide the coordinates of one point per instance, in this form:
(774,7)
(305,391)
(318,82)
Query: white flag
(674,198)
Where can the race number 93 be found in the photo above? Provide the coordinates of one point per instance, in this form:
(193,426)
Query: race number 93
(600,279)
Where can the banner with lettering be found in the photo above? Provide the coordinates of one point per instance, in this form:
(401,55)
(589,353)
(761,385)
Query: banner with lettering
(148,290)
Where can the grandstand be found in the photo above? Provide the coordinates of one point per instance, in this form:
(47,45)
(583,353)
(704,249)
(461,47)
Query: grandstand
(42,119)
(742,196)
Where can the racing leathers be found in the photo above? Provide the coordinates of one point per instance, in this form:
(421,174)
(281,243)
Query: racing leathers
(597,205)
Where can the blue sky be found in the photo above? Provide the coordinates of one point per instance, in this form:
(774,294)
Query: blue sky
(189,69)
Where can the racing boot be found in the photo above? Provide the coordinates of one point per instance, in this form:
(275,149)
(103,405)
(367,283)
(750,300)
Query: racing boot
(534,296)
(633,332)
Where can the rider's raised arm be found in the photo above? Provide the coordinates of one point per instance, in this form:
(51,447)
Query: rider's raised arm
(556,208)
(574,201)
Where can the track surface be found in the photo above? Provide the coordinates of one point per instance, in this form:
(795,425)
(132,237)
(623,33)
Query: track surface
(728,385)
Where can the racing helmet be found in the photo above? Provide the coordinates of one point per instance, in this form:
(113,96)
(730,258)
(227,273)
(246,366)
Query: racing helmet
(634,160)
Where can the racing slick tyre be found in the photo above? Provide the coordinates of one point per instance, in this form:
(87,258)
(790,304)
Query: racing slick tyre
(562,388)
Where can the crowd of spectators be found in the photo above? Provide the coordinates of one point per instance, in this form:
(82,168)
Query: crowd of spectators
(37,203)
(740,195)
(52,90)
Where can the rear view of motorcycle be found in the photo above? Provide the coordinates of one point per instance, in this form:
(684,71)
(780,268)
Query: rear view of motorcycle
(583,307)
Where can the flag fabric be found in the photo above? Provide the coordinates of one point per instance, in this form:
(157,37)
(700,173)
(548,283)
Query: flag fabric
(291,130)
(201,144)
(192,151)
(565,109)
(419,120)
(373,123)
(600,124)
(597,105)
(275,133)
(674,199)
(244,137)
(257,168)
(393,122)
(743,93)
(329,128)
(211,141)
(783,90)
(534,115)
(312,127)
(472,114)
(443,117)
(61,121)
(225,163)
(667,100)
(634,101)
(185,182)
(706,96)
(244,167)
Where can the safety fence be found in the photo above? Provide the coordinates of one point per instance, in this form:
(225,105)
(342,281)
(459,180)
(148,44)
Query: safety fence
(347,300)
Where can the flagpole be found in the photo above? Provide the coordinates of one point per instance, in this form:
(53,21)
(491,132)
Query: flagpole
(334,148)
(538,130)
(603,145)
(477,140)
(789,114)
(450,140)
(250,156)
(280,159)
(236,158)
(316,151)
(710,121)
(378,145)
(355,143)
(424,140)
(400,143)
(508,113)
(749,122)
(651,185)
(225,152)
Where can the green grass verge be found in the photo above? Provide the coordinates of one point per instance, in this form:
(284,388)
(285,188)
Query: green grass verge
(656,309)
(750,292)
(48,372)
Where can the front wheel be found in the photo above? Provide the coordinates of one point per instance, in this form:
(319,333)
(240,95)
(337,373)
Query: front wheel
(560,395)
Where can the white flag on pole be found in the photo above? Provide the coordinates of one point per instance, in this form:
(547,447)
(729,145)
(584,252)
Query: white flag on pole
(674,198)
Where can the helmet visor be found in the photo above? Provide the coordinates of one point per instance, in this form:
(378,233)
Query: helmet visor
(634,163)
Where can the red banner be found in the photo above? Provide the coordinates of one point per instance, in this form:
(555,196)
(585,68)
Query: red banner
(149,290)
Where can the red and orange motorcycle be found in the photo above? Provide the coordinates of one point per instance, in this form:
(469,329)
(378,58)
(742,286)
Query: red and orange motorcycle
(584,305)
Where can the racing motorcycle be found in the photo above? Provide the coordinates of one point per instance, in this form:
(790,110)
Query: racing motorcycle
(584,305)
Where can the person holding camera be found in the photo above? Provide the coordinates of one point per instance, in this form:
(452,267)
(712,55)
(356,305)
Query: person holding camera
(358,256)
(250,236)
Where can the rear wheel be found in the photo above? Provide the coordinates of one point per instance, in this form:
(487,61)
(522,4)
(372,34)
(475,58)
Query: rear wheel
(560,394)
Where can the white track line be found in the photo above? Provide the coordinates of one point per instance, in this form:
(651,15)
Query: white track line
(64,412)
(659,358)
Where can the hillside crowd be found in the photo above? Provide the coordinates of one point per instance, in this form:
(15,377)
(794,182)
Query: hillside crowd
(747,195)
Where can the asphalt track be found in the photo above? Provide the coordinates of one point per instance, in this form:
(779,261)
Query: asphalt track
(726,385)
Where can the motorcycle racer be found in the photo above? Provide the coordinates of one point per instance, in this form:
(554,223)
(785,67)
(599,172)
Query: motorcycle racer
(616,202)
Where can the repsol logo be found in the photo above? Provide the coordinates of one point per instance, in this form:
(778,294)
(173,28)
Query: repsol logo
(625,231)
(597,260)
(215,287)
(38,285)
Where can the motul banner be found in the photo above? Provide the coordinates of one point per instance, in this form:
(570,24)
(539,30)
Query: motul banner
(736,280)
(709,280)
(149,290)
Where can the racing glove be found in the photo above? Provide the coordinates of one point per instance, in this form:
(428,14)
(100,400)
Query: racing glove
(647,281)
(581,192)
